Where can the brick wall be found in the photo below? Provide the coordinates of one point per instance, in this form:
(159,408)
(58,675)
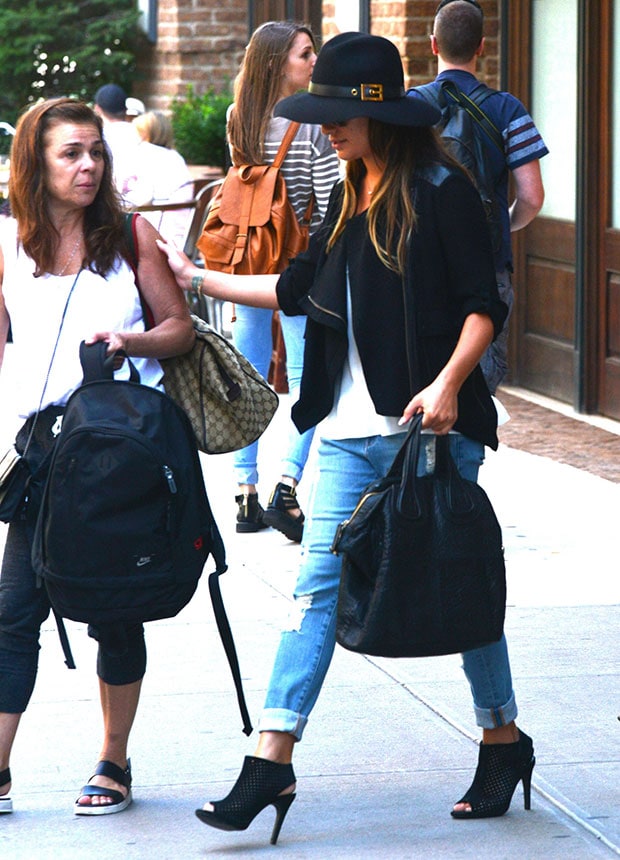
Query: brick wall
(198,43)
(203,44)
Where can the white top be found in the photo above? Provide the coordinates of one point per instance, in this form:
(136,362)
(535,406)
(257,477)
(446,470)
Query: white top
(123,140)
(35,307)
(353,414)
(171,182)
(145,173)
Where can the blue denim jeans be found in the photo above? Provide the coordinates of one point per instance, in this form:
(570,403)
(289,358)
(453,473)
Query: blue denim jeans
(345,468)
(252,337)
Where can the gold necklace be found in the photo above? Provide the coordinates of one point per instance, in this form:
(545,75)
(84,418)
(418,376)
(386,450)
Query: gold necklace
(69,259)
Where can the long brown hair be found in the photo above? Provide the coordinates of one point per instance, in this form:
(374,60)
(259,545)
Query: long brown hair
(28,194)
(257,88)
(391,215)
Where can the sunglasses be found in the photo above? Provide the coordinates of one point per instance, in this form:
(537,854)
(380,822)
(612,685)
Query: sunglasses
(338,122)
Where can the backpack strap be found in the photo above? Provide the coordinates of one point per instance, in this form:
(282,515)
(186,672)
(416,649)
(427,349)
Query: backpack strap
(245,214)
(218,551)
(223,625)
(471,103)
(290,133)
(288,138)
(64,640)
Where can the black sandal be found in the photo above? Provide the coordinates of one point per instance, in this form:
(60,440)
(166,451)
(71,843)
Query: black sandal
(120,801)
(6,804)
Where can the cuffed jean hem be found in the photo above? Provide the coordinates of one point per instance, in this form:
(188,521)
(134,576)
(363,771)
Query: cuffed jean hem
(292,470)
(280,720)
(495,717)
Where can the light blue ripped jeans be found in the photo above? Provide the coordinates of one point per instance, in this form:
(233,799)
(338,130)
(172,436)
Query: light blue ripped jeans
(252,337)
(345,468)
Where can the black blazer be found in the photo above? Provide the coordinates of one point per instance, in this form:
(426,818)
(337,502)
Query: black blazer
(405,329)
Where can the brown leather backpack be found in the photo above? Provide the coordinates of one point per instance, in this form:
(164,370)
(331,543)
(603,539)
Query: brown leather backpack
(251,227)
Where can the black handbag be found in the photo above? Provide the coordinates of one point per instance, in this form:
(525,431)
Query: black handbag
(13,477)
(422,562)
(27,463)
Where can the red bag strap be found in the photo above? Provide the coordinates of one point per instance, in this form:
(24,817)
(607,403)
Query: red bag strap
(131,237)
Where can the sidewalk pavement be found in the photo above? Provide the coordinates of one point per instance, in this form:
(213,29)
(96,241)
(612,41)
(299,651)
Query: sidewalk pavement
(391,743)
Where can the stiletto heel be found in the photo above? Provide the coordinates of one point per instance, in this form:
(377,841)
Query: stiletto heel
(527,785)
(282,804)
(501,767)
(260,784)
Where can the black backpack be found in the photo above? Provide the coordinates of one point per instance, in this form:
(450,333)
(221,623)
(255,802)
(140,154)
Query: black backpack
(462,125)
(125,526)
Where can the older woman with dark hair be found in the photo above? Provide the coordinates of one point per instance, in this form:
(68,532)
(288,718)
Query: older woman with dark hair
(64,253)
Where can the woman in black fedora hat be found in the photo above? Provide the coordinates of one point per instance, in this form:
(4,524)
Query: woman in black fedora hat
(404,229)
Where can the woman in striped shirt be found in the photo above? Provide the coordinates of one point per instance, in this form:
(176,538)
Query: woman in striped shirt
(278,62)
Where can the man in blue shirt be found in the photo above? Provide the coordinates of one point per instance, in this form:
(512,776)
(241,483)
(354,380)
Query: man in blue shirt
(457,41)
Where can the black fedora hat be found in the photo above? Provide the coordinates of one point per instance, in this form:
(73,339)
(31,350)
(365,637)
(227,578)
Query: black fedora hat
(357,75)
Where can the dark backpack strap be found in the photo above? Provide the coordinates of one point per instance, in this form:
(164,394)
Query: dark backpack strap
(223,626)
(471,104)
(217,550)
(64,640)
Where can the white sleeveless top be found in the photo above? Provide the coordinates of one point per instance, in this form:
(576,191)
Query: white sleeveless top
(35,307)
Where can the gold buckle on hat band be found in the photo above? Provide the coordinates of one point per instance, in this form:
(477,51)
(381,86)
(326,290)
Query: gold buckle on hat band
(371,92)
(363,92)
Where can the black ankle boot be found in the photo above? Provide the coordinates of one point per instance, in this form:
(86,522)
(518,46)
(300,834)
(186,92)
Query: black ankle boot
(282,501)
(260,784)
(500,769)
(250,513)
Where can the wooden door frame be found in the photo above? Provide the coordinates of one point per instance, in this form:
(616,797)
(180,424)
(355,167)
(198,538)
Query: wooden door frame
(593,197)
(516,42)
(592,193)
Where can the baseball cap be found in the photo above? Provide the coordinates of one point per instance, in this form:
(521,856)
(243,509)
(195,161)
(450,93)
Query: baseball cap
(134,107)
(111,98)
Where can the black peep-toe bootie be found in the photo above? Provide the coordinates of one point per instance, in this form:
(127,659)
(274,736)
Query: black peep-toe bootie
(500,769)
(260,784)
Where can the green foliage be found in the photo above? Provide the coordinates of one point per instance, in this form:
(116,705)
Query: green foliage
(199,123)
(64,48)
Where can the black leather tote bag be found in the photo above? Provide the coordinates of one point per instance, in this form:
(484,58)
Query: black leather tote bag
(422,562)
